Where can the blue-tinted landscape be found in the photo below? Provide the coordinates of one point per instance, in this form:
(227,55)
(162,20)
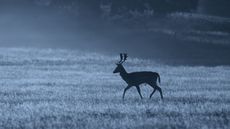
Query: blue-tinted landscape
(57,59)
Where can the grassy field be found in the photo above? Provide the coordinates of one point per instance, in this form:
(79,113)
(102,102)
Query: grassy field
(52,89)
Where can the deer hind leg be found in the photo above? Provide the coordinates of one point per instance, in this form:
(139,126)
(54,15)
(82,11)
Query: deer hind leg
(152,93)
(159,89)
(125,91)
(155,87)
(139,91)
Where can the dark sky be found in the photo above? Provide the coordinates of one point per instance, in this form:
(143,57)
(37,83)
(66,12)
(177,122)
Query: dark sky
(191,32)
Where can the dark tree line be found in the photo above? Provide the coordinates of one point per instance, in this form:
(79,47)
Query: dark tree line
(159,6)
(122,6)
(93,7)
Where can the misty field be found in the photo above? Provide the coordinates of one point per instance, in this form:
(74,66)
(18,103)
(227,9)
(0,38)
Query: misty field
(53,88)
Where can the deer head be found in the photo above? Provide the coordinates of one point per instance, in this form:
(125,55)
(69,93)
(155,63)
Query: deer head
(120,68)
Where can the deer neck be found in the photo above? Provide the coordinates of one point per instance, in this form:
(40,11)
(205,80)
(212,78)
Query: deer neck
(123,74)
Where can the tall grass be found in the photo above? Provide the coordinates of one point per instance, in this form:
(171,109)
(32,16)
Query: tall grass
(71,89)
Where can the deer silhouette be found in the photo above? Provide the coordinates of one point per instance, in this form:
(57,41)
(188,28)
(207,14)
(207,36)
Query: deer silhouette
(137,78)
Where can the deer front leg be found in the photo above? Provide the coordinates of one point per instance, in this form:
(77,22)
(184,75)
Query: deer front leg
(125,91)
(139,91)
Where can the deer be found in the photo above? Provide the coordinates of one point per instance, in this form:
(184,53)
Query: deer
(135,79)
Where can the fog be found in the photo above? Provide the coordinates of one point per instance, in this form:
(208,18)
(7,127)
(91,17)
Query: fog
(174,32)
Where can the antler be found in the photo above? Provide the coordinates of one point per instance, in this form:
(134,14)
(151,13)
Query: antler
(123,58)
